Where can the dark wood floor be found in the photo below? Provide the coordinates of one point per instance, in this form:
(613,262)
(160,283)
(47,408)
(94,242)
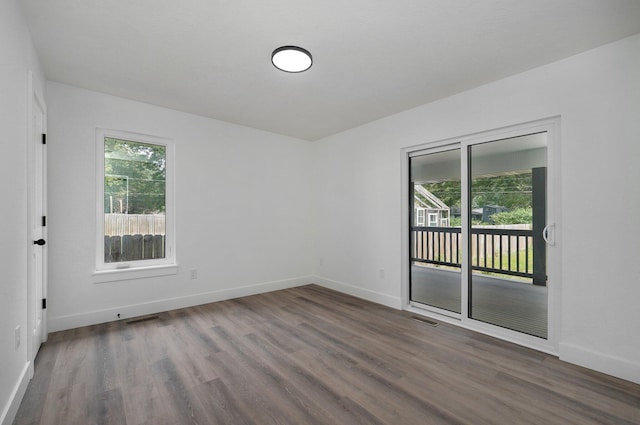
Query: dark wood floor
(308,356)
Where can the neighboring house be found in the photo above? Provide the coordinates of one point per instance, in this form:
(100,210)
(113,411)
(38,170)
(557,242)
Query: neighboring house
(481,214)
(489,210)
(428,209)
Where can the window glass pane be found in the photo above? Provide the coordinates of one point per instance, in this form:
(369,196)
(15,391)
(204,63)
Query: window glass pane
(134,200)
(436,238)
(507,200)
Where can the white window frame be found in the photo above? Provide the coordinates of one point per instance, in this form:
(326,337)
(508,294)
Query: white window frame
(420,217)
(106,272)
(432,219)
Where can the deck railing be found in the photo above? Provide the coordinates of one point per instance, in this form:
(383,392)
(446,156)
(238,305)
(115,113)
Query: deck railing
(493,250)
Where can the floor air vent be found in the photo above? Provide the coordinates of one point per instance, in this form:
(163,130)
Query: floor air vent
(141,319)
(425,321)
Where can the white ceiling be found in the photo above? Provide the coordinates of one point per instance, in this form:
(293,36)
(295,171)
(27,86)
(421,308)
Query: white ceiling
(372,58)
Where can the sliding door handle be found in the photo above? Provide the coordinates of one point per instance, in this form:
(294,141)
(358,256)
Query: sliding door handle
(39,242)
(549,234)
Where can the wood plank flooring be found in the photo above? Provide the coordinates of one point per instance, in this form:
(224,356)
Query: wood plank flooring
(308,355)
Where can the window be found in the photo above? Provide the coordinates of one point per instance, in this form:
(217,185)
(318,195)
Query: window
(433,220)
(135,202)
(420,217)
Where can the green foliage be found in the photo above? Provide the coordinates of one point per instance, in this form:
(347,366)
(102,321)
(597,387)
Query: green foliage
(510,191)
(448,192)
(517,261)
(516,216)
(457,222)
(135,175)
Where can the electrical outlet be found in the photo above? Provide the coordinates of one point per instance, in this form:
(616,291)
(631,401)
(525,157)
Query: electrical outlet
(194,274)
(17,334)
(381,273)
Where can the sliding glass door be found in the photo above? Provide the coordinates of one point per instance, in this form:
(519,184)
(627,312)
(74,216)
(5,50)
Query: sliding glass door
(507,198)
(478,215)
(436,237)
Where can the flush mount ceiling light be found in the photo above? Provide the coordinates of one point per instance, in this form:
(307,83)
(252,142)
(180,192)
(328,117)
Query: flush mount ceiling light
(291,59)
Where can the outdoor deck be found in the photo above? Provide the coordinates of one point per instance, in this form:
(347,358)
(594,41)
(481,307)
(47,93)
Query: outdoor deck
(502,302)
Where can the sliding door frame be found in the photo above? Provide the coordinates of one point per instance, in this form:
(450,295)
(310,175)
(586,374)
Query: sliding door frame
(552,127)
(432,149)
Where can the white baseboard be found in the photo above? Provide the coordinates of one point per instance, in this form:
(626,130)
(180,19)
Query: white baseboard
(10,410)
(614,366)
(373,296)
(59,323)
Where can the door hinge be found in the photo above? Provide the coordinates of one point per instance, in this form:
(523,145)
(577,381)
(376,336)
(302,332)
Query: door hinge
(44,220)
(44,139)
(44,303)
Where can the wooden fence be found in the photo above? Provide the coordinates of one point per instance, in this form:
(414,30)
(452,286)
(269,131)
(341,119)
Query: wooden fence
(134,224)
(130,237)
(133,247)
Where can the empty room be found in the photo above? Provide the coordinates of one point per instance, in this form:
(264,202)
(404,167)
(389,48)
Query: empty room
(321,212)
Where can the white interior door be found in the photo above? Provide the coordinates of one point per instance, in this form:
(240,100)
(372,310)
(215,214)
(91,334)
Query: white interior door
(37,220)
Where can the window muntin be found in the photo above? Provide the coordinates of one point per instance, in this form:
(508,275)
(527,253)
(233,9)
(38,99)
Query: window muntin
(135,201)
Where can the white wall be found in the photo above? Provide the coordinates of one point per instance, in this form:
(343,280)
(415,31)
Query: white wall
(17,58)
(271,223)
(242,209)
(597,95)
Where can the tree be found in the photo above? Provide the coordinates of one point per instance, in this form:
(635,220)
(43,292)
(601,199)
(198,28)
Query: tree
(134,177)
(448,192)
(510,191)
(516,216)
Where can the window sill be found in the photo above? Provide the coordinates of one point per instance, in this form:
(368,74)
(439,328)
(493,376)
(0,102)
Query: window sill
(101,276)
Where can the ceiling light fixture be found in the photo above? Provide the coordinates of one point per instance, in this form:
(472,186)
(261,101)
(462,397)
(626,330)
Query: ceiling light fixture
(291,59)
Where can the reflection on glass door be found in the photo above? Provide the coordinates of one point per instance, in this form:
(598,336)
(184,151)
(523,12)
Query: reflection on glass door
(436,238)
(507,214)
